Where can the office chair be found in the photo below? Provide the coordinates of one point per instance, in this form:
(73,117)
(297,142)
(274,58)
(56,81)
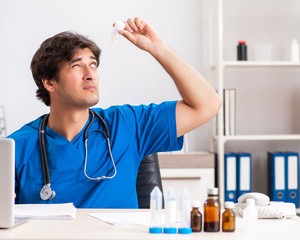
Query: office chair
(148,177)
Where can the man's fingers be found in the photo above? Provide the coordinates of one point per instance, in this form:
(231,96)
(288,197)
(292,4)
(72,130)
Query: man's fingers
(139,23)
(132,25)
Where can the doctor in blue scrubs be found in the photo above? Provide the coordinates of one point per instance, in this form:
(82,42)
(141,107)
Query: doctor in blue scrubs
(90,156)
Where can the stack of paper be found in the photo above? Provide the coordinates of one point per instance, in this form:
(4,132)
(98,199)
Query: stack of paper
(65,211)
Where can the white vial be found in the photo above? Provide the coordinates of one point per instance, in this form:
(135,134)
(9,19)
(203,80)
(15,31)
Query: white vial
(155,211)
(119,25)
(170,212)
(250,215)
(295,51)
(184,212)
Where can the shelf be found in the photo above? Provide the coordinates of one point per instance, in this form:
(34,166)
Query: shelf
(221,66)
(262,137)
(260,64)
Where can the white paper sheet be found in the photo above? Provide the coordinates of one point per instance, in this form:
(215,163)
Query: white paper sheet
(65,211)
(124,218)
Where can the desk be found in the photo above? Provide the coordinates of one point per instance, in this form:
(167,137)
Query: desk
(87,227)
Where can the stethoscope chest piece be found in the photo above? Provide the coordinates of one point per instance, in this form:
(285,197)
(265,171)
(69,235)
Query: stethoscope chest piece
(47,193)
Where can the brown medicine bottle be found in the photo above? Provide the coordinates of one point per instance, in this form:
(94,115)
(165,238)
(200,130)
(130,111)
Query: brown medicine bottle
(228,218)
(196,217)
(212,208)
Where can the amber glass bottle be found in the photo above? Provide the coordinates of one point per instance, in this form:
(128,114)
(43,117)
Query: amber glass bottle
(228,218)
(212,209)
(196,217)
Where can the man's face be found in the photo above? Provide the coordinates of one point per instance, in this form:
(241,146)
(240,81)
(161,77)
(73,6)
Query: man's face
(78,79)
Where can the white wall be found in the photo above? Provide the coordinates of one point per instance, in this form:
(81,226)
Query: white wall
(268,100)
(128,75)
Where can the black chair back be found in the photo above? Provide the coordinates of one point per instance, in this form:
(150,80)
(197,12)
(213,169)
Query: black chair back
(148,178)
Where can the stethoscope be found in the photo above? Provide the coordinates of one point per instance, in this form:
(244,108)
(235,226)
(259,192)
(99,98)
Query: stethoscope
(46,192)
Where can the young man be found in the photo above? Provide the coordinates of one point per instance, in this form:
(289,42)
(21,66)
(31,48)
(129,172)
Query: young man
(100,172)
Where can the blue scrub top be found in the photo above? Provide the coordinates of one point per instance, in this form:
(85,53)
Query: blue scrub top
(135,132)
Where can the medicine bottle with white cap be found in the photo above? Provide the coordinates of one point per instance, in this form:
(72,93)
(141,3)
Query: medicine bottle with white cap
(196,217)
(250,214)
(212,209)
(228,218)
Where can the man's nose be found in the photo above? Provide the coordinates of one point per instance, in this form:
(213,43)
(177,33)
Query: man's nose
(89,75)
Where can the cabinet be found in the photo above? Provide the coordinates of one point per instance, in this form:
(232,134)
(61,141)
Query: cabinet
(194,170)
(222,65)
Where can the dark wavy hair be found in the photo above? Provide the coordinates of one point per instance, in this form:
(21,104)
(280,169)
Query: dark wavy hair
(54,50)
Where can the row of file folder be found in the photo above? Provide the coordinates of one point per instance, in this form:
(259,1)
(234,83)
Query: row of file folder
(284,177)
(238,175)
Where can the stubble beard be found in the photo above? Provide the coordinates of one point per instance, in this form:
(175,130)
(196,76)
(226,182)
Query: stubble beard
(80,102)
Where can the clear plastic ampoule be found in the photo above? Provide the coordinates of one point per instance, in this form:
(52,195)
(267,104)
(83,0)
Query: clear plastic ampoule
(155,211)
(184,212)
(170,212)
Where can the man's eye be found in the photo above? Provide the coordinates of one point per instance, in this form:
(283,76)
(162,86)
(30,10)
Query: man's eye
(94,65)
(75,65)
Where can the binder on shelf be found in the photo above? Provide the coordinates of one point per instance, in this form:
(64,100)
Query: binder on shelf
(216,170)
(277,176)
(230,180)
(232,111)
(244,173)
(292,177)
(226,112)
(229,111)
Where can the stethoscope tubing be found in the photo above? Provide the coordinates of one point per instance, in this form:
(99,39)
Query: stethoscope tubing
(44,158)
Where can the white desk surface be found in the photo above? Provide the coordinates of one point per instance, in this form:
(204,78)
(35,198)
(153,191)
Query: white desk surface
(87,227)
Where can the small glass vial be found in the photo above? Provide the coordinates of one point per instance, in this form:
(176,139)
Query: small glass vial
(196,217)
(156,211)
(242,51)
(228,218)
(212,208)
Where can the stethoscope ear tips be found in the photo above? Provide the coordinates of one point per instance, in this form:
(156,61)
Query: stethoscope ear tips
(47,193)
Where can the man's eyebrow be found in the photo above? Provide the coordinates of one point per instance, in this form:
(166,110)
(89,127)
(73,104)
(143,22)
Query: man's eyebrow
(79,59)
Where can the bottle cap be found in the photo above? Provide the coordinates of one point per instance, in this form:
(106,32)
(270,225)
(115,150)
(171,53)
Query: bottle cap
(184,230)
(119,25)
(213,191)
(242,42)
(196,204)
(229,205)
(170,230)
(155,230)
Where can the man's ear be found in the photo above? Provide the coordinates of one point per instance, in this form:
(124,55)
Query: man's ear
(48,84)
